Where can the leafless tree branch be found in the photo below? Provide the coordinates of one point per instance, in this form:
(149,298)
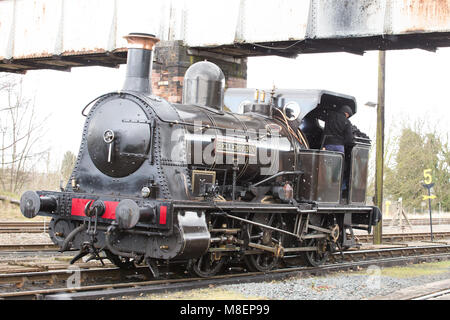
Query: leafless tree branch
(21,131)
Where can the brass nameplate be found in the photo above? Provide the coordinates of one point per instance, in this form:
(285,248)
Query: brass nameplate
(235,146)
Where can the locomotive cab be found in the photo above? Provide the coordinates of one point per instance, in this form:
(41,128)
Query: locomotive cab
(355,162)
(323,171)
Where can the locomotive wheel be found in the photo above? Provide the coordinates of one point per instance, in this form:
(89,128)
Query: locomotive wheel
(59,229)
(316,258)
(207,265)
(261,262)
(121,262)
(264,261)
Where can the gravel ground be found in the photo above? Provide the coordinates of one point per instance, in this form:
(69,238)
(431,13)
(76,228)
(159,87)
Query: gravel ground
(24,238)
(337,286)
(346,286)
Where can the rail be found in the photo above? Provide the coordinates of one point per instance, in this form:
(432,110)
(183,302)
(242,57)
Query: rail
(364,258)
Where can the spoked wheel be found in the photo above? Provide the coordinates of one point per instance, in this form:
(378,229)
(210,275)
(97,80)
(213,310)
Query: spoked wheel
(261,262)
(264,261)
(121,262)
(207,265)
(59,229)
(319,257)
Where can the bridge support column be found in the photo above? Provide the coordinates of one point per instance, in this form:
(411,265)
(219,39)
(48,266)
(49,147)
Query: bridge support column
(172,59)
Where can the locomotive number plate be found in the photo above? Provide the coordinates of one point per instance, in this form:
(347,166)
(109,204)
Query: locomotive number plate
(235,146)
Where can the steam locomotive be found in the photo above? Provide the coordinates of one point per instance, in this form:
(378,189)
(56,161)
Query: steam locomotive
(194,183)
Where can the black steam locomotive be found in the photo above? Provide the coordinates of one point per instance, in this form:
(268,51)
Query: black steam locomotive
(197,184)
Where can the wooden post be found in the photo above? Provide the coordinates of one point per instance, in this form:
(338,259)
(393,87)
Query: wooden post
(378,230)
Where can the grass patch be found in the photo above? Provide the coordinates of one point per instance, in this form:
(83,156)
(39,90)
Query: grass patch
(10,195)
(414,270)
(417,270)
(10,211)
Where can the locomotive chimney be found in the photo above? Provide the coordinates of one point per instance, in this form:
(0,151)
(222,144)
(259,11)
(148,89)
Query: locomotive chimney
(139,62)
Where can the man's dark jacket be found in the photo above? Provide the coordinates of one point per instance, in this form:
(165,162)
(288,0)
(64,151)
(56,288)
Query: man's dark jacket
(338,129)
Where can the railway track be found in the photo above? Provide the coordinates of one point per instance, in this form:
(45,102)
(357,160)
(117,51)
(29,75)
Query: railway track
(349,260)
(419,222)
(434,295)
(23,227)
(40,227)
(87,273)
(438,290)
(14,248)
(387,238)
(402,237)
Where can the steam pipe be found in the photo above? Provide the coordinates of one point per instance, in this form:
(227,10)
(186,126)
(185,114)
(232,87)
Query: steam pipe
(282,173)
(70,237)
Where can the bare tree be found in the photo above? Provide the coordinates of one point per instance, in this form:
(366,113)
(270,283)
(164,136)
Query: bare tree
(67,165)
(21,130)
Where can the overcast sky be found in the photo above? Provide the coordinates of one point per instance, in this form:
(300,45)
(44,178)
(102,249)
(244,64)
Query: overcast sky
(417,86)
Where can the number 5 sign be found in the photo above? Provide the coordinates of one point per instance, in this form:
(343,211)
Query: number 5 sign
(428,184)
(427,176)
